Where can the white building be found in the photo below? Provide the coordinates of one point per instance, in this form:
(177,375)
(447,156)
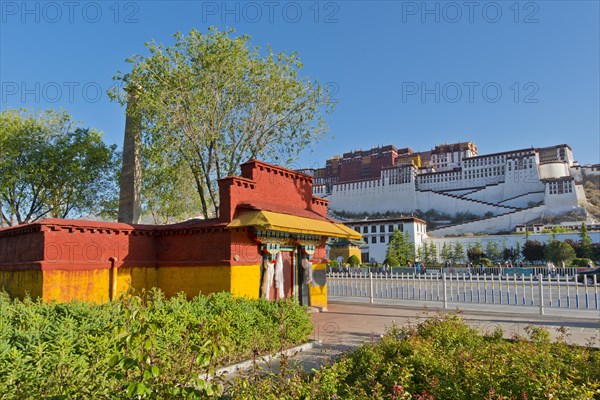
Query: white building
(505,189)
(377,234)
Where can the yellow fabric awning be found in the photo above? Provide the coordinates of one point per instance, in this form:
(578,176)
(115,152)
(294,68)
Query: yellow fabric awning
(290,223)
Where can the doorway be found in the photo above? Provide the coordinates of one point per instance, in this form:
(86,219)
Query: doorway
(294,283)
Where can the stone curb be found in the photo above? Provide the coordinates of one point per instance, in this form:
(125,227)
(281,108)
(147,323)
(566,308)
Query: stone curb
(265,359)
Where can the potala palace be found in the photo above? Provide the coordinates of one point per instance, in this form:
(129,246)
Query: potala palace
(505,189)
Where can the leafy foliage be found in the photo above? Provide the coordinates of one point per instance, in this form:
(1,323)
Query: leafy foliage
(400,249)
(443,358)
(485,261)
(52,167)
(148,347)
(586,242)
(353,260)
(211,101)
(492,250)
(558,251)
(475,252)
(581,262)
(458,254)
(533,250)
(447,252)
(511,254)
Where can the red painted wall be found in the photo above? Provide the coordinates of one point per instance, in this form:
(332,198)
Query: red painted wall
(86,245)
(268,187)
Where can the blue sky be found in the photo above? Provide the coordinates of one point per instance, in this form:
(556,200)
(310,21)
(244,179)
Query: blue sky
(503,74)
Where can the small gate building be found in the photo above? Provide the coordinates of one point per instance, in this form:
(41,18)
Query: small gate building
(269,241)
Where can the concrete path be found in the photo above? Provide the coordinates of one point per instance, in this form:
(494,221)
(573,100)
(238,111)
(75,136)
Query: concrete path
(346,325)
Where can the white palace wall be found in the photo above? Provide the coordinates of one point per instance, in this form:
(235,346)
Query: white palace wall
(513,186)
(373,196)
(452,205)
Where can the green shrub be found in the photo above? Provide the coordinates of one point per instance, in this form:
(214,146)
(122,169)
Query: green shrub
(334,264)
(392,261)
(443,358)
(139,346)
(353,261)
(486,261)
(557,252)
(580,262)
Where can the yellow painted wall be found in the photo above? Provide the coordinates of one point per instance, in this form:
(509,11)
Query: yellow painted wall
(345,252)
(245,281)
(318,294)
(63,286)
(20,283)
(136,279)
(94,285)
(194,280)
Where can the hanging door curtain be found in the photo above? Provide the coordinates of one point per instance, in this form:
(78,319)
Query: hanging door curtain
(268,274)
(273,271)
(279,276)
(308,272)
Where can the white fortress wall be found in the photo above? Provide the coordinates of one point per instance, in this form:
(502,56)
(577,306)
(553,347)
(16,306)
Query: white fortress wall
(320,190)
(507,184)
(524,200)
(521,176)
(498,223)
(428,200)
(464,192)
(373,196)
(491,194)
(560,194)
(581,198)
(580,172)
(555,169)
(590,170)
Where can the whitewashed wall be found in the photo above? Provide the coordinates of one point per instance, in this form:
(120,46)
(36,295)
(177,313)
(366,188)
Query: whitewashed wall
(498,223)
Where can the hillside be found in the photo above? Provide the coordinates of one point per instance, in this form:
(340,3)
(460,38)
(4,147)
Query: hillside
(591,186)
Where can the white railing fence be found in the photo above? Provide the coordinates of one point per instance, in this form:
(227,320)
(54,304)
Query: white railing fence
(576,292)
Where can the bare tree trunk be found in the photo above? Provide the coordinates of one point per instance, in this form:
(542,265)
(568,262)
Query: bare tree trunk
(131,170)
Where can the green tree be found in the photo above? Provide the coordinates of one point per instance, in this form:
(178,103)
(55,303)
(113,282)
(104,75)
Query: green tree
(53,167)
(518,251)
(475,252)
(558,251)
(392,261)
(447,252)
(458,255)
(211,102)
(511,254)
(533,250)
(586,242)
(400,248)
(421,254)
(353,261)
(432,253)
(492,251)
(168,190)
